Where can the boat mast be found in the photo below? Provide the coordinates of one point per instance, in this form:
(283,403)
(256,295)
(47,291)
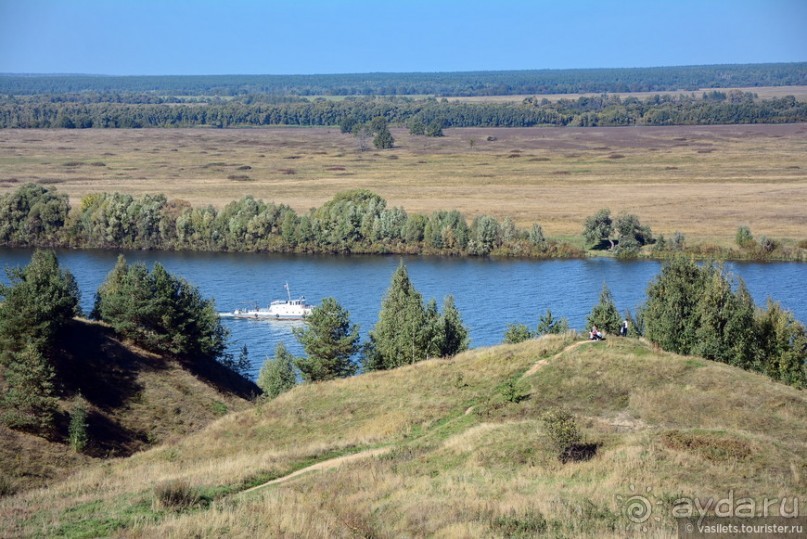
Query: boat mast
(288,291)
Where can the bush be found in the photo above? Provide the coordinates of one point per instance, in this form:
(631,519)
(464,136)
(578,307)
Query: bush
(277,375)
(744,238)
(176,494)
(517,525)
(548,325)
(561,428)
(517,333)
(77,430)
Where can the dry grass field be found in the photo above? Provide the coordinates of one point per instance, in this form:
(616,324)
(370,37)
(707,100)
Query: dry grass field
(701,180)
(462,459)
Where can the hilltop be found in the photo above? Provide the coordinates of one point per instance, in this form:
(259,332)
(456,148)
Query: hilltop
(134,399)
(453,448)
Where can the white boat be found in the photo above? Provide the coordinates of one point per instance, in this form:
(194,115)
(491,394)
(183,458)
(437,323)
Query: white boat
(290,309)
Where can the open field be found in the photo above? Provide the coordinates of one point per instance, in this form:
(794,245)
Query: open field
(444,448)
(763,92)
(703,180)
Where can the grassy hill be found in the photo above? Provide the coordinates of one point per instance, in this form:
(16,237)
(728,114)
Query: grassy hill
(452,448)
(134,400)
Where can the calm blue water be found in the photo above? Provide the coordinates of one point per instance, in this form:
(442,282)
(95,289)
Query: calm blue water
(489,293)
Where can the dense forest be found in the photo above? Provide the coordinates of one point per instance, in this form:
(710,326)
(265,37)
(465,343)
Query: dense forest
(476,83)
(128,111)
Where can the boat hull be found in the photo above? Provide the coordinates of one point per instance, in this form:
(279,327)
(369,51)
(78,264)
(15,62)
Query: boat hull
(263,314)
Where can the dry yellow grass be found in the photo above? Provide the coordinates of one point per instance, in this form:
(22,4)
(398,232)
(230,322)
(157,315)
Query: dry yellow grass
(490,473)
(703,181)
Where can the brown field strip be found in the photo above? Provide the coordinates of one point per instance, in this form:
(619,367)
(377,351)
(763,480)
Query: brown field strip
(701,180)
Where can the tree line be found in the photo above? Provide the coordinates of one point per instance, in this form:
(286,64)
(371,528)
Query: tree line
(604,110)
(477,83)
(357,221)
(531,112)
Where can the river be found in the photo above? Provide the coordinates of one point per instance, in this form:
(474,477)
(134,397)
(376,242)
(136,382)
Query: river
(490,293)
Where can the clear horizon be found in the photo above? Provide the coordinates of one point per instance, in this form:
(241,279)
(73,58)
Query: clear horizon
(284,37)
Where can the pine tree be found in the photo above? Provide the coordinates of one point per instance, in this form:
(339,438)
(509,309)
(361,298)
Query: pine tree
(605,315)
(38,304)
(160,312)
(277,374)
(403,333)
(330,341)
(517,333)
(29,402)
(35,310)
(549,325)
(77,430)
(672,299)
(452,332)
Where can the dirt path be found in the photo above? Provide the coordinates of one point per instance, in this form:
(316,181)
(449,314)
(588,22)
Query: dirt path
(542,363)
(338,461)
(324,465)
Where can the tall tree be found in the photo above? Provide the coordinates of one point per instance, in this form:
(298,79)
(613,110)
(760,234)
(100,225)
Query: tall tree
(599,227)
(403,333)
(37,305)
(35,310)
(160,312)
(453,335)
(330,341)
(605,315)
(669,313)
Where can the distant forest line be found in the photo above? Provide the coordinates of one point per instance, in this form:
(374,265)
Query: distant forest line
(710,108)
(472,83)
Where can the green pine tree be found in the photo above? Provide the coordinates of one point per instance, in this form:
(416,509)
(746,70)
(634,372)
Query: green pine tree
(453,335)
(605,315)
(517,333)
(28,402)
(403,334)
(549,325)
(330,341)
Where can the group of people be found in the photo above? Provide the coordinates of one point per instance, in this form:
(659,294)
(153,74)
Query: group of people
(597,335)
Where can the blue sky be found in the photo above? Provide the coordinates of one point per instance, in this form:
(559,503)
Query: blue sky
(145,37)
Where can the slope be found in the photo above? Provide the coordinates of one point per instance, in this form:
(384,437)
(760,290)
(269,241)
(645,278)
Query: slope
(465,453)
(134,400)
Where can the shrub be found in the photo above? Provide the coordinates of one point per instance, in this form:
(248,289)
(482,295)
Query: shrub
(744,238)
(77,430)
(176,494)
(561,428)
(517,333)
(7,486)
(517,525)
